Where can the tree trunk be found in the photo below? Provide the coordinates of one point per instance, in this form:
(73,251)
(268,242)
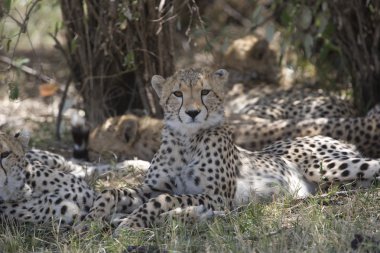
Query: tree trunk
(358,34)
(114,48)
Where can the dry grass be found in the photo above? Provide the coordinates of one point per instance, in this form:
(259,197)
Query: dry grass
(321,224)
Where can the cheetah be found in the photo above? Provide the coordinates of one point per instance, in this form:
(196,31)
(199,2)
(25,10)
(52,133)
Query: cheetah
(374,112)
(363,132)
(126,137)
(33,191)
(129,136)
(79,168)
(251,58)
(39,186)
(199,168)
(297,104)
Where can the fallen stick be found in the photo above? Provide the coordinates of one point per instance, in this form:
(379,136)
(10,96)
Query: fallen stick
(27,70)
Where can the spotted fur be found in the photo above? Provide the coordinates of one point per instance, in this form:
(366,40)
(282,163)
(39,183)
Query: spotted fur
(257,121)
(39,190)
(198,166)
(296,104)
(364,132)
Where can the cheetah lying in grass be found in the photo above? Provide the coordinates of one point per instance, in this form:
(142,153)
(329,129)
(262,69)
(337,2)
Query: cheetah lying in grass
(126,137)
(38,186)
(296,104)
(38,191)
(363,132)
(198,167)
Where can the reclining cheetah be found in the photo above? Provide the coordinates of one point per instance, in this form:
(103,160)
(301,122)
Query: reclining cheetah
(35,191)
(38,186)
(297,104)
(363,132)
(198,167)
(126,137)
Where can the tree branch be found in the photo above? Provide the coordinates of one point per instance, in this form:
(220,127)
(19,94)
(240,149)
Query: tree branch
(27,70)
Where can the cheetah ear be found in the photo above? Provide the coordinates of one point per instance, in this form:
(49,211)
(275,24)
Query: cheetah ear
(157,82)
(24,137)
(130,130)
(222,75)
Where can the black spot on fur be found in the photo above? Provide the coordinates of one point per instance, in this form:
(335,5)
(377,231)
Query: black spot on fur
(364,166)
(343,166)
(157,204)
(345,173)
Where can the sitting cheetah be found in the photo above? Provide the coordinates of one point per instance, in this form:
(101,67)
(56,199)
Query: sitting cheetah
(34,191)
(198,166)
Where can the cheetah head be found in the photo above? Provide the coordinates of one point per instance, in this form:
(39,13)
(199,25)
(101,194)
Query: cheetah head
(13,185)
(192,99)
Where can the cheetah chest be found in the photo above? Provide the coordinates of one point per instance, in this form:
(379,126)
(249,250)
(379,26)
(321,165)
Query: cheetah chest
(187,181)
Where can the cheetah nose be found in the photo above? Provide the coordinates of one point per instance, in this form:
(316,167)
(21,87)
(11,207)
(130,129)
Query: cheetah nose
(193,113)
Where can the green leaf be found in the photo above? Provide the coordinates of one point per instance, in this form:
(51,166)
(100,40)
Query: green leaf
(7,5)
(73,44)
(256,15)
(57,27)
(13,91)
(322,22)
(285,18)
(269,32)
(9,44)
(308,45)
(129,61)
(306,17)
(20,61)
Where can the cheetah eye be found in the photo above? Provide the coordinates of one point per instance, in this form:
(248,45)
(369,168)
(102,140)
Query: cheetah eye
(178,94)
(205,92)
(5,154)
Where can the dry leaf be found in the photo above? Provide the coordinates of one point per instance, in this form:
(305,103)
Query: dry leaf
(48,89)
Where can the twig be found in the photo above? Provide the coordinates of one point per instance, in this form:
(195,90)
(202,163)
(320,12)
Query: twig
(28,70)
(60,110)
(236,15)
(23,26)
(60,48)
(202,23)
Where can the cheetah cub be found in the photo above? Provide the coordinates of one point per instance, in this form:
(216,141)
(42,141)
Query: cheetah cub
(199,168)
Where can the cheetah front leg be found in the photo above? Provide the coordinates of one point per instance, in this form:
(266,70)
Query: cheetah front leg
(157,209)
(190,214)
